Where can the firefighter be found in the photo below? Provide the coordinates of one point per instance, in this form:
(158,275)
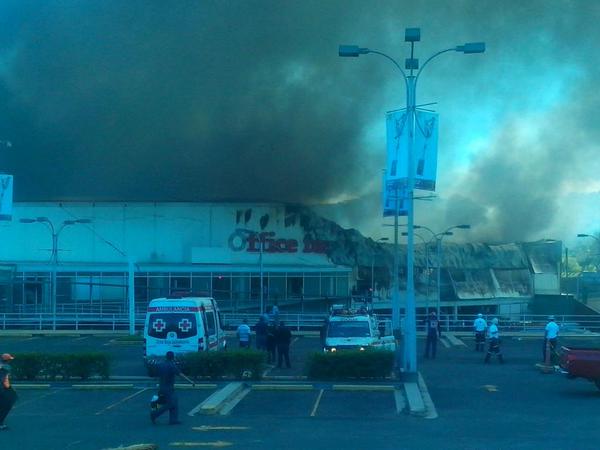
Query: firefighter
(432,326)
(494,342)
(479,325)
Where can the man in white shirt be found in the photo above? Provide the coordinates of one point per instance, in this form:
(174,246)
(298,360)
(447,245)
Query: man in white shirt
(494,342)
(243,333)
(550,337)
(479,325)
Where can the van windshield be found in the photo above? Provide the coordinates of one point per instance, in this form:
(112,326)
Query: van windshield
(348,329)
(182,324)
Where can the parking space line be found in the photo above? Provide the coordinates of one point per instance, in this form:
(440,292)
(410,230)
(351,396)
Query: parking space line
(26,402)
(129,397)
(81,338)
(444,343)
(314,410)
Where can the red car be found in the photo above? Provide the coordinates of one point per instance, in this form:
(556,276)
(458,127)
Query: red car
(581,363)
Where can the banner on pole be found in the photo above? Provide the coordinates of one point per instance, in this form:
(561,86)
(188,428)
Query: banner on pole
(6,196)
(391,191)
(424,150)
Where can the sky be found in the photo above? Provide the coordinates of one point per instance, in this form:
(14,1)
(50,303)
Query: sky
(148,100)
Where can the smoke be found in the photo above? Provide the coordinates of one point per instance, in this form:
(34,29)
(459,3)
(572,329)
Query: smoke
(247,100)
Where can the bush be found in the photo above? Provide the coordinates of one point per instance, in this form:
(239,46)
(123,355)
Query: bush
(351,364)
(50,366)
(236,364)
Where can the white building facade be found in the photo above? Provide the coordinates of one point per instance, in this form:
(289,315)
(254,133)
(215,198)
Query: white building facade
(217,249)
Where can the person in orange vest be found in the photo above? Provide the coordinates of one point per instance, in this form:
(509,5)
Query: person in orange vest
(8,396)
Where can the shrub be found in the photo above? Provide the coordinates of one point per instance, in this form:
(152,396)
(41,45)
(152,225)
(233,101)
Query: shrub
(351,364)
(236,364)
(31,366)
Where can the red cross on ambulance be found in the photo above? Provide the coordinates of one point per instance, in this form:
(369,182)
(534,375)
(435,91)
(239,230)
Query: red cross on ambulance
(185,325)
(159,325)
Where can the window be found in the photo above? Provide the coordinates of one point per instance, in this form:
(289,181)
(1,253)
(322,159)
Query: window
(348,329)
(161,324)
(210,323)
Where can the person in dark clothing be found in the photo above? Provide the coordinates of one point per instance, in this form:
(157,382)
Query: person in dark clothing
(323,331)
(261,329)
(167,371)
(283,337)
(271,343)
(8,396)
(432,327)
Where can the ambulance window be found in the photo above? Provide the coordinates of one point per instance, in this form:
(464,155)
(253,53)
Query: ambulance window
(210,323)
(348,329)
(182,324)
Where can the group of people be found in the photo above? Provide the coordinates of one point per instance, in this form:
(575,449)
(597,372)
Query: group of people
(492,333)
(272,336)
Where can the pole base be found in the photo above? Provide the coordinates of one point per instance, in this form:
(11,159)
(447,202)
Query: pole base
(409,377)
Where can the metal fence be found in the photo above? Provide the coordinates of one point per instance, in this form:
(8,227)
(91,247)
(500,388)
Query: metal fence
(525,323)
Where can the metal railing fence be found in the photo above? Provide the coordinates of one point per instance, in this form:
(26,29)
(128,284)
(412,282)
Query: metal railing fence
(525,323)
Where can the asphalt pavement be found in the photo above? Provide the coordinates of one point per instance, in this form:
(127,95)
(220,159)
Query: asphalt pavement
(477,406)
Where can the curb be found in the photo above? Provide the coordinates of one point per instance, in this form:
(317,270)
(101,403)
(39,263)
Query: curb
(365,387)
(31,386)
(282,387)
(414,398)
(93,387)
(454,340)
(213,404)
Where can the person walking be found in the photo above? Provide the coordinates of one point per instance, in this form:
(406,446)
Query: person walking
(433,330)
(261,333)
(479,325)
(550,339)
(494,342)
(8,396)
(167,371)
(243,334)
(283,338)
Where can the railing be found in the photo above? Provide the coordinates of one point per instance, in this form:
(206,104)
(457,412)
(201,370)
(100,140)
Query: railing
(524,323)
(76,321)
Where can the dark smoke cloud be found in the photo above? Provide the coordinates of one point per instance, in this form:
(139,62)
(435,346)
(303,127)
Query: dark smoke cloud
(247,100)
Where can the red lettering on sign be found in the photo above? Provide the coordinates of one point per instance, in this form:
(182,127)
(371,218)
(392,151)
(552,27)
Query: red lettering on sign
(253,242)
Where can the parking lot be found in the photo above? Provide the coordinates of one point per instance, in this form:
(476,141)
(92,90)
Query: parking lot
(477,406)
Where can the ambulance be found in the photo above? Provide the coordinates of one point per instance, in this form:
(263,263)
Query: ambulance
(182,325)
(349,329)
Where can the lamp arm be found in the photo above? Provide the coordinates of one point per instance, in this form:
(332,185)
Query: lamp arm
(394,62)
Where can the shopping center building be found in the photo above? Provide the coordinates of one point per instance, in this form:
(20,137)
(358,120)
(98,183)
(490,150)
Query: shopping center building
(96,250)
(222,250)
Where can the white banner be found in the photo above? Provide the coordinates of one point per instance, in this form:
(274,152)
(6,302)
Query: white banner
(392,190)
(425,148)
(6,196)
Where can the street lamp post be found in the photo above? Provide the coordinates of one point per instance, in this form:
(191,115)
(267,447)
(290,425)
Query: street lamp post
(373,268)
(597,239)
(425,243)
(54,255)
(411,35)
(438,240)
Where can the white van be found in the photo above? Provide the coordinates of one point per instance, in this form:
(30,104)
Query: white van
(182,325)
(358,330)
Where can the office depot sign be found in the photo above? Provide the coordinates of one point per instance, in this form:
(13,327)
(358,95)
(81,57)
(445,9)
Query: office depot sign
(249,241)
